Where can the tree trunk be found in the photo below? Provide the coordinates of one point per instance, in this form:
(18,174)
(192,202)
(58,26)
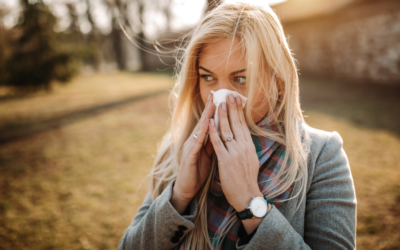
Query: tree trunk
(116,34)
(118,46)
(141,39)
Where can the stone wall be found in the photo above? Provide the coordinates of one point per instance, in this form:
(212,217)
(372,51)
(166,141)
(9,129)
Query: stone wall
(359,43)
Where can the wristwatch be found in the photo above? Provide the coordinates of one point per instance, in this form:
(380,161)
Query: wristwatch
(258,208)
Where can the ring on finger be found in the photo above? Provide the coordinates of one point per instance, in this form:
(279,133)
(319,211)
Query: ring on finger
(230,138)
(194,135)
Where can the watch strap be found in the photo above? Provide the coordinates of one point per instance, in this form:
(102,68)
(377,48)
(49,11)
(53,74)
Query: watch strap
(245,214)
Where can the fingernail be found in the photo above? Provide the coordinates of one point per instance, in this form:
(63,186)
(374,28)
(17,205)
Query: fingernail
(223,106)
(238,100)
(231,98)
(209,95)
(212,122)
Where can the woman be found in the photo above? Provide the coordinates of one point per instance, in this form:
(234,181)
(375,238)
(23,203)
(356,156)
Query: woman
(268,181)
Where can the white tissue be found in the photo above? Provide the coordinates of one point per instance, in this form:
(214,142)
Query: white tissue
(220,97)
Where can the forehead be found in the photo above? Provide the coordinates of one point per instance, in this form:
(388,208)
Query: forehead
(226,54)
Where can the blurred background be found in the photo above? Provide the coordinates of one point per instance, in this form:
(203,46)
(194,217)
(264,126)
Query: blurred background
(82,108)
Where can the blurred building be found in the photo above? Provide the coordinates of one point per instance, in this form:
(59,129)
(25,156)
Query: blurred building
(352,40)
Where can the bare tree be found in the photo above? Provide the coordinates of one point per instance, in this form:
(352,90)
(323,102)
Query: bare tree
(167,10)
(141,39)
(130,14)
(73,15)
(116,8)
(120,16)
(89,17)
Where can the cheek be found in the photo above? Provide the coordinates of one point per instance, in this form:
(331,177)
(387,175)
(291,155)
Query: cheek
(260,109)
(258,100)
(204,92)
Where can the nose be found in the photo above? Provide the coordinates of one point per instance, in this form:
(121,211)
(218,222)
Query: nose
(224,84)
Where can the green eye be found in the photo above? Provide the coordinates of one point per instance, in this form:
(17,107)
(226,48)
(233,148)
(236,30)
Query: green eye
(240,79)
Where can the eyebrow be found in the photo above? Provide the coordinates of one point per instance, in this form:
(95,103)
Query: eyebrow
(237,72)
(206,70)
(233,73)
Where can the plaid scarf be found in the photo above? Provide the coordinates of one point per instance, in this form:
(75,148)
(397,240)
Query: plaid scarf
(270,154)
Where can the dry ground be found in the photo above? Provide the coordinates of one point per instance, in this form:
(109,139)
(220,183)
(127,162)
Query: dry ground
(79,185)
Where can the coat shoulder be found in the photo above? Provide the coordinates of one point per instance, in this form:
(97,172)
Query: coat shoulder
(318,140)
(321,145)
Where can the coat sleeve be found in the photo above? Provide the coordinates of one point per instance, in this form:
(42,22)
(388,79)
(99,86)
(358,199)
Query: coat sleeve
(330,214)
(157,225)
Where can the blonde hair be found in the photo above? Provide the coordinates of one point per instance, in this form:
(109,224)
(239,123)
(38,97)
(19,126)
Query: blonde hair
(270,68)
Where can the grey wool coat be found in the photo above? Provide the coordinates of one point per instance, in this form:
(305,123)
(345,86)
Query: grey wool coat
(326,218)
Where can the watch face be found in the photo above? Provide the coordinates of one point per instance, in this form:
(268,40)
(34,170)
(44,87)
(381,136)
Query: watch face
(258,207)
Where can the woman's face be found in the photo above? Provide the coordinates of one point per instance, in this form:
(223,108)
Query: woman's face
(219,70)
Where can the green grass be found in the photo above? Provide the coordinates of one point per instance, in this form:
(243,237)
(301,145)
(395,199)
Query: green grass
(78,186)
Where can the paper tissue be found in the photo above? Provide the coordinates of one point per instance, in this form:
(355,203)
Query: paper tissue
(220,97)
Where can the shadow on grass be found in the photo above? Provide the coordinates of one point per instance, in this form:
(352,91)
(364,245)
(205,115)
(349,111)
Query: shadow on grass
(9,134)
(6,98)
(366,105)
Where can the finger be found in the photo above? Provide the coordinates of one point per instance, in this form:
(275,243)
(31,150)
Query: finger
(210,108)
(242,119)
(208,112)
(218,145)
(209,101)
(201,132)
(206,108)
(224,126)
(202,127)
(234,120)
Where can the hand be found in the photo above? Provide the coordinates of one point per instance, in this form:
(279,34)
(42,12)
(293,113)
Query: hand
(238,163)
(196,162)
